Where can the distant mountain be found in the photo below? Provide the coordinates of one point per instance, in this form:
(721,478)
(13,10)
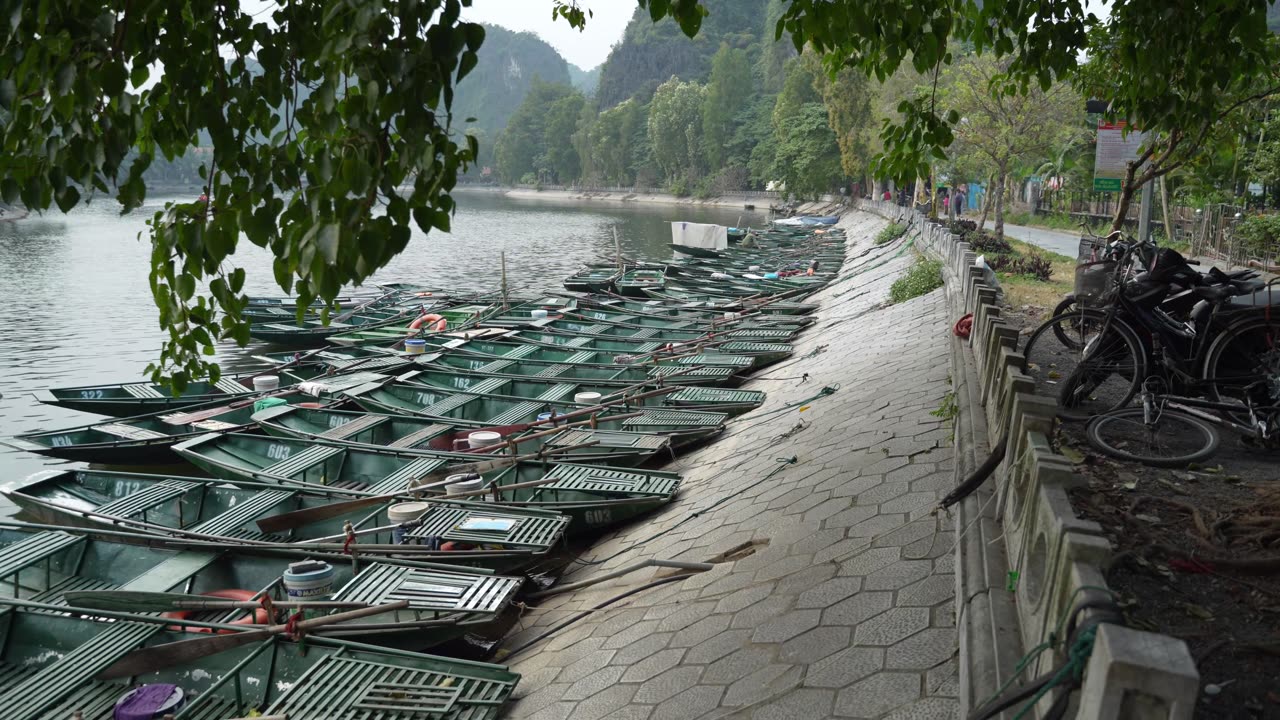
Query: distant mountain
(585,80)
(650,52)
(509,62)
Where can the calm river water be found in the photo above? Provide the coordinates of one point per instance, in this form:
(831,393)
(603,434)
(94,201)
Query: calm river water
(75,307)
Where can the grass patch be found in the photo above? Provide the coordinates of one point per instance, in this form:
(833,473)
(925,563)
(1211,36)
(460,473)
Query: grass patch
(923,278)
(1055,221)
(891,232)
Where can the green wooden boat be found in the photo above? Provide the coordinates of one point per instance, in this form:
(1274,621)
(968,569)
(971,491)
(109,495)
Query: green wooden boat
(716,400)
(140,398)
(458,318)
(186,507)
(593,496)
(698,311)
(49,660)
(602,324)
(407,433)
(476,410)
(760,353)
(314,331)
(680,295)
(636,282)
(41,566)
(593,278)
(144,439)
(676,301)
(511,345)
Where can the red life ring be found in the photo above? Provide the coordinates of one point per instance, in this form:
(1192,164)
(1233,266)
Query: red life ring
(259,616)
(440,322)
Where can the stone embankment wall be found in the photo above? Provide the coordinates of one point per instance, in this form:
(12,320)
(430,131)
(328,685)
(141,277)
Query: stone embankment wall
(1024,559)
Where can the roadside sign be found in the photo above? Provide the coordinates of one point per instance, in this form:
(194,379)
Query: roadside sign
(1115,150)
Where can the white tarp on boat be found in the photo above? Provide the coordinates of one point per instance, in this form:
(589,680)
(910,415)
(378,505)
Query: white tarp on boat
(700,235)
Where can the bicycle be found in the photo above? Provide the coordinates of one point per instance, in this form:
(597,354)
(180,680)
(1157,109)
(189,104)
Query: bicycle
(1175,431)
(1226,343)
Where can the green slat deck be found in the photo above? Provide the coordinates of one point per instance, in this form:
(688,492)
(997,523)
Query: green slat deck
(529,532)
(678,418)
(418,436)
(231,387)
(295,464)
(716,359)
(348,429)
(431,590)
(717,395)
(754,348)
(150,497)
(242,512)
(401,478)
(332,688)
(516,413)
(608,481)
(129,432)
(28,551)
(606,439)
(142,390)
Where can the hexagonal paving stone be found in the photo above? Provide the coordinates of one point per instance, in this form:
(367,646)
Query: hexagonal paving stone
(717,647)
(870,560)
(787,626)
(829,592)
(928,592)
(692,703)
(737,664)
(760,684)
(687,615)
(744,598)
(857,608)
(923,650)
(603,703)
(807,703)
(595,682)
(850,517)
(899,574)
(761,612)
(641,649)
(584,667)
(654,664)
(927,709)
(877,526)
(878,694)
(848,666)
(814,645)
(784,567)
(893,625)
(626,636)
(676,680)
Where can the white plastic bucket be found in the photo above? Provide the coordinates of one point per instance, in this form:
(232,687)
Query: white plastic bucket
(720,276)
(308,580)
(266,383)
(466,482)
(401,513)
(415,347)
(754,268)
(538,314)
(588,398)
(483,438)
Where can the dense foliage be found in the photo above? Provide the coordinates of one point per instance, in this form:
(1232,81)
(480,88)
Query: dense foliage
(922,278)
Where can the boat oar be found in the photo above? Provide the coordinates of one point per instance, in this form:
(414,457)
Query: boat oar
(344,316)
(299,518)
(157,657)
(140,601)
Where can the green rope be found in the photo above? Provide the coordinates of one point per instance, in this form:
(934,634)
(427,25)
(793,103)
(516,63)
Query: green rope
(1073,668)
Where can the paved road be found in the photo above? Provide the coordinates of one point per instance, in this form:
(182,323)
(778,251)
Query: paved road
(1059,241)
(838,599)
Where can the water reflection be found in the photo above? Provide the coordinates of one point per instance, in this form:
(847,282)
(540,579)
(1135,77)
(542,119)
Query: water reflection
(76,308)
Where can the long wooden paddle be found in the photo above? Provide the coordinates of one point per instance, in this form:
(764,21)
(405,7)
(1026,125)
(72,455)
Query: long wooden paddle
(299,518)
(140,601)
(150,659)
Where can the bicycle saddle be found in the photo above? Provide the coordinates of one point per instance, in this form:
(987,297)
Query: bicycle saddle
(1265,297)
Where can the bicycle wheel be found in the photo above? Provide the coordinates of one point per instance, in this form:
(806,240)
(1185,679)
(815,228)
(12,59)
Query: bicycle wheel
(1243,363)
(1115,366)
(1068,306)
(1174,439)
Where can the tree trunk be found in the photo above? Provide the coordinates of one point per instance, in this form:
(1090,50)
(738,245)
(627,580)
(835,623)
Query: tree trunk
(986,203)
(999,200)
(1126,197)
(1164,209)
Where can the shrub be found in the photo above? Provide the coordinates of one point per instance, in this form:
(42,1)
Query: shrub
(1260,235)
(679,187)
(986,243)
(890,233)
(1033,266)
(962,227)
(924,277)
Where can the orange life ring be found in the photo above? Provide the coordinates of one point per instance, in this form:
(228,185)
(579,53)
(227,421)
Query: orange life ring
(259,616)
(440,322)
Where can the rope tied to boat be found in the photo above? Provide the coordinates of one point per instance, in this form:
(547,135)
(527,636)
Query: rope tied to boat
(269,606)
(294,631)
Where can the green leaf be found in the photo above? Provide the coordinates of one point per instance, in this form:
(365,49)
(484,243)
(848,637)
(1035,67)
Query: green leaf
(8,91)
(65,77)
(10,191)
(186,286)
(327,242)
(67,198)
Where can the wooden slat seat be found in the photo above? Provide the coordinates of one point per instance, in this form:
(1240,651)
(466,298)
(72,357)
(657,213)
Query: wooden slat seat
(37,695)
(401,478)
(516,413)
(444,521)
(557,392)
(142,390)
(231,387)
(608,481)
(147,498)
(302,461)
(348,429)
(30,550)
(429,590)
(129,432)
(417,436)
(242,512)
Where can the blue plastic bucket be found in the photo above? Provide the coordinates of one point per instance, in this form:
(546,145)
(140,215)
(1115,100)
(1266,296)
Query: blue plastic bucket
(771,276)
(415,347)
(308,580)
(544,416)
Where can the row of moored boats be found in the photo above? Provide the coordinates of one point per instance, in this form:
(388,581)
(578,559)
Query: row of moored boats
(383,485)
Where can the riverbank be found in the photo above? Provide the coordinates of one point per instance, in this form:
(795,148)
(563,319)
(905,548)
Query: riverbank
(744,200)
(833,588)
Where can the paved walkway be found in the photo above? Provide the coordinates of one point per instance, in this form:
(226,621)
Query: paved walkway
(1059,241)
(838,597)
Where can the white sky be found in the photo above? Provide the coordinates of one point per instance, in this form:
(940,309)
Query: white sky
(585,49)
